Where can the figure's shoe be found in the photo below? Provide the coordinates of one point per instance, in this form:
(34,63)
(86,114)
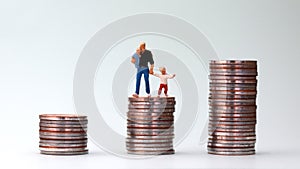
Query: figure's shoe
(166,95)
(158,95)
(148,95)
(135,95)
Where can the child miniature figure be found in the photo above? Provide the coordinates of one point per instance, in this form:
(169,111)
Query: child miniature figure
(163,80)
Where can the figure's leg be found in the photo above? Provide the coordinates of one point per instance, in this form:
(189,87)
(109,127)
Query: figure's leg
(159,90)
(138,82)
(146,77)
(166,90)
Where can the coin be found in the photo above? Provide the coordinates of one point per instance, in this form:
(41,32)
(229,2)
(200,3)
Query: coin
(63,145)
(139,152)
(63,141)
(62,117)
(151,110)
(70,122)
(232,107)
(62,125)
(150,125)
(149,141)
(64,153)
(63,134)
(151,99)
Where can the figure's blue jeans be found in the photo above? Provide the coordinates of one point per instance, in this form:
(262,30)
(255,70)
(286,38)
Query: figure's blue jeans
(138,81)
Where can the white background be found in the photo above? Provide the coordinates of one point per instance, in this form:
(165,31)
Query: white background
(40,42)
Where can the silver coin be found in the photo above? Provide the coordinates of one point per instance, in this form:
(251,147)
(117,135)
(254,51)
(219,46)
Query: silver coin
(149,145)
(211,84)
(50,133)
(220,145)
(231,153)
(224,97)
(231,119)
(233,78)
(62,117)
(235,114)
(151,106)
(152,103)
(150,133)
(63,137)
(63,141)
(151,110)
(232,134)
(216,90)
(233,70)
(231,127)
(62,145)
(143,121)
(232,102)
(232,73)
(137,141)
(150,137)
(237,108)
(228,138)
(230,149)
(218,129)
(148,114)
(169,152)
(232,81)
(232,141)
(150,130)
(231,123)
(64,153)
(61,125)
(64,121)
(232,62)
(62,129)
(149,148)
(233,66)
(62,149)
(231,92)
(132,124)
(151,117)
(151,122)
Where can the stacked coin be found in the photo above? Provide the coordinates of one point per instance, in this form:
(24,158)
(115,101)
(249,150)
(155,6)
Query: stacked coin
(150,125)
(63,134)
(232,107)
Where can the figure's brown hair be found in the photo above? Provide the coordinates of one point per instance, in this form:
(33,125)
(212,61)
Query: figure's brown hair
(143,45)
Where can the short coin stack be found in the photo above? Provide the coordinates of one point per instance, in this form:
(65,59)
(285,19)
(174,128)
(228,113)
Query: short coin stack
(150,125)
(63,134)
(232,107)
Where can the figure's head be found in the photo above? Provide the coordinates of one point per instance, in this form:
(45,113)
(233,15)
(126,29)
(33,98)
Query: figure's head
(138,51)
(143,46)
(163,70)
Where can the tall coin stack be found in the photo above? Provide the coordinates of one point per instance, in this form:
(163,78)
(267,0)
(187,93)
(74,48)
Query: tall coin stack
(63,134)
(150,125)
(232,107)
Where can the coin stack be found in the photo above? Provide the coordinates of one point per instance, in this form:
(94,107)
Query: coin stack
(232,107)
(63,134)
(150,125)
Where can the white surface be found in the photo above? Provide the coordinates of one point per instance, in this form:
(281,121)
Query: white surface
(40,42)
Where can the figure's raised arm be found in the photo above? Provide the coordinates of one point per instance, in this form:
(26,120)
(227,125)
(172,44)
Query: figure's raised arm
(171,76)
